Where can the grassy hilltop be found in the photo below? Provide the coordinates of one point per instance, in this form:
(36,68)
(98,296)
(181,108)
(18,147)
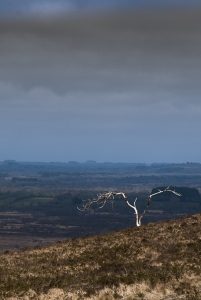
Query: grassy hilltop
(155,261)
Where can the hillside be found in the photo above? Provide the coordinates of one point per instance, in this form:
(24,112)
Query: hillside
(155,261)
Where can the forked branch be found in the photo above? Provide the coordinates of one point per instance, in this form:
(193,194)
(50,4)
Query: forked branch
(101,200)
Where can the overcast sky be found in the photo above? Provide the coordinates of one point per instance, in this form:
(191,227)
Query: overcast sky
(81,80)
(19,7)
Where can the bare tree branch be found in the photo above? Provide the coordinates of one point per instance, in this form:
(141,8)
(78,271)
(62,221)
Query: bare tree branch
(101,200)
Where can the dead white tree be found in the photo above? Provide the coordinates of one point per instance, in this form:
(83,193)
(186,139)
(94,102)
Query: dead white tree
(101,200)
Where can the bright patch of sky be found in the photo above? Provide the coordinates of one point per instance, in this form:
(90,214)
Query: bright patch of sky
(21,7)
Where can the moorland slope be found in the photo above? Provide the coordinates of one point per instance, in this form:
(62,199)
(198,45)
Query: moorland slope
(155,261)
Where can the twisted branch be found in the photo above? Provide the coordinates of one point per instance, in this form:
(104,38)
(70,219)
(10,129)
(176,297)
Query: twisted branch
(102,199)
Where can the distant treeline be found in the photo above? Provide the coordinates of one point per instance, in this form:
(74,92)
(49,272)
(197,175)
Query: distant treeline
(58,174)
(15,179)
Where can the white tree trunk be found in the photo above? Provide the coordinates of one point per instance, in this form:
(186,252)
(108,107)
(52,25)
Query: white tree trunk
(102,199)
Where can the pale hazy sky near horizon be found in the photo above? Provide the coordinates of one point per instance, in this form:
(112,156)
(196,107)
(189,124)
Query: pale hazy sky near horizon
(115,81)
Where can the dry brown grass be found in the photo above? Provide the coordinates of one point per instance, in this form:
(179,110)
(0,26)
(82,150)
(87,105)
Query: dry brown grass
(156,261)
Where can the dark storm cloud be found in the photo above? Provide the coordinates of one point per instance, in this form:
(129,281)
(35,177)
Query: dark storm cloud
(68,80)
(103,53)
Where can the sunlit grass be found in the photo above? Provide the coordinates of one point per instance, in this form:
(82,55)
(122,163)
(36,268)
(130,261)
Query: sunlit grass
(163,256)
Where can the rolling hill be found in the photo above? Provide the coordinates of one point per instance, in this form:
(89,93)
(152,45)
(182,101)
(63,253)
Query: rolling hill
(155,261)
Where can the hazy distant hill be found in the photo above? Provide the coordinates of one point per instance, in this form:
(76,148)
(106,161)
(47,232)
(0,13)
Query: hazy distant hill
(155,261)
